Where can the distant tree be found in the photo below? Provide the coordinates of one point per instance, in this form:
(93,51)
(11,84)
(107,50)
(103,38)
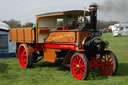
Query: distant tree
(105,24)
(13,23)
(28,24)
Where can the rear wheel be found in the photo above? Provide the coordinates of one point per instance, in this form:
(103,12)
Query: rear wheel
(79,66)
(109,63)
(24,57)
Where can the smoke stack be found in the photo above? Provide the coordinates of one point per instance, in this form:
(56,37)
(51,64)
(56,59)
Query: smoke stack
(93,17)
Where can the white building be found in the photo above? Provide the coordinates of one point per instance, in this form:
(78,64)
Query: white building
(7,48)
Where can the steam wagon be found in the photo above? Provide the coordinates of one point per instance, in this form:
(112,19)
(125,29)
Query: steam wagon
(65,37)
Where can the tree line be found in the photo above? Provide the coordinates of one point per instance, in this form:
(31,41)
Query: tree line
(15,24)
(105,24)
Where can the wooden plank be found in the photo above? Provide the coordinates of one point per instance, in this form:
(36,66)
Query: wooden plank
(28,35)
(13,37)
(22,35)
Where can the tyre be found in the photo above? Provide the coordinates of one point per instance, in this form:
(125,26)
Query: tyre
(79,66)
(109,63)
(24,57)
(119,35)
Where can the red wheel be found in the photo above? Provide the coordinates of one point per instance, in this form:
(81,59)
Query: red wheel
(79,66)
(109,63)
(25,58)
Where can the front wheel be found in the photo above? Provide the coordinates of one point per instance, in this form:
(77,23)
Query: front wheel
(119,35)
(79,66)
(24,57)
(109,63)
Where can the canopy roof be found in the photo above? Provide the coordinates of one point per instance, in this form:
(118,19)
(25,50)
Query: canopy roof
(4,26)
(61,13)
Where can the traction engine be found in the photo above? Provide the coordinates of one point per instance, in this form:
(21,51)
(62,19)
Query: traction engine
(82,48)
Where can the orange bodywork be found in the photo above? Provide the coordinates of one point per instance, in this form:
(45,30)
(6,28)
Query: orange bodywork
(64,37)
(61,37)
(81,35)
(52,41)
(26,35)
(22,35)
(43,31)
(49,54)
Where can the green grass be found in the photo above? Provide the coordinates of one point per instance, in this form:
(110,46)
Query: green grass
(51,74)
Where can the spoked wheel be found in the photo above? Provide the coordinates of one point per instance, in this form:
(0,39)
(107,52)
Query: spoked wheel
(24,57)
(109,63)
(79,66)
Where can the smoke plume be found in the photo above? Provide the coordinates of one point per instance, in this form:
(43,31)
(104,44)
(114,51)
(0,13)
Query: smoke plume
(115,6)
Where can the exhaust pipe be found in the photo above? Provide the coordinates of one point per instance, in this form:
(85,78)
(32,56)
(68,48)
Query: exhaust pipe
(93,17)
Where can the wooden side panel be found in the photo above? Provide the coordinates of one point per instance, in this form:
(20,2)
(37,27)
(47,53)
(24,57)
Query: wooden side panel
(49,55)
(13,34)
(61,37)
(82,35)
(33,35)
(28,35)
(22,35)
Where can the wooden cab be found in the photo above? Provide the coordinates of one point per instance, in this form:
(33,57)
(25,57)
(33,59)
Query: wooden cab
(59,31)
(50,26)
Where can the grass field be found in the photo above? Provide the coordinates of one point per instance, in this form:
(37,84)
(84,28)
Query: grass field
(51,74)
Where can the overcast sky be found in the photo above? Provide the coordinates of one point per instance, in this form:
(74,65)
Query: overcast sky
(26,10)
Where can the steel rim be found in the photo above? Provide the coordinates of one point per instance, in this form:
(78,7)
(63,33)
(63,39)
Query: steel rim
(107,64)
(22,56)
(78,67)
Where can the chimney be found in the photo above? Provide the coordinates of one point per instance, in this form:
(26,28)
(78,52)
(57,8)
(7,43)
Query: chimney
(93,17)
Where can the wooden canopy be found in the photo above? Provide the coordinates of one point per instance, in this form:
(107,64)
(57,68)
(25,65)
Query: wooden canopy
(61,13)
